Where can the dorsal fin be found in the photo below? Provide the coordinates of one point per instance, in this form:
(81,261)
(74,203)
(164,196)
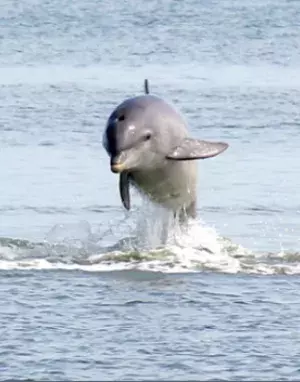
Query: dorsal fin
(146,86)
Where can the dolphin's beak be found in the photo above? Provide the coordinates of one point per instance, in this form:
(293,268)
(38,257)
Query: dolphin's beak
(118,163)
(117,167)
(124,161)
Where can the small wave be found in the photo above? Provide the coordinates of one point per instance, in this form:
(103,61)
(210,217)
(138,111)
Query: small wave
(259,76)
(56,210)
(199,249)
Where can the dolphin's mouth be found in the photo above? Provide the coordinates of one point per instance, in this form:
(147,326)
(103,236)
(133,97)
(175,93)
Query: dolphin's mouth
(117,167)
(118,163)
(123,161)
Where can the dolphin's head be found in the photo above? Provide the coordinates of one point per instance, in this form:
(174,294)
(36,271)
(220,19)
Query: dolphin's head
(137,134)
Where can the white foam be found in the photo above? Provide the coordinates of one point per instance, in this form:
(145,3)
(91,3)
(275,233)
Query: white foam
(198,248)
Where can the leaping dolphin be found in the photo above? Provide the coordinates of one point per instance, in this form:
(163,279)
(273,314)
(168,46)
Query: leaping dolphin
(148,144)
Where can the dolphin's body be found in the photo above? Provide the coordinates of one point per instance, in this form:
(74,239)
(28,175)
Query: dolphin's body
(148,144)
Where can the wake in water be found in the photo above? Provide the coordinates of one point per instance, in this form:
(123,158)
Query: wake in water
(195,248)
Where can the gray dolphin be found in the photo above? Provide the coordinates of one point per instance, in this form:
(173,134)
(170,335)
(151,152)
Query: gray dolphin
(148,144)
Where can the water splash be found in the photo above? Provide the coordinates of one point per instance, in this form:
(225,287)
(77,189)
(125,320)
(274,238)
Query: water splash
(197,248)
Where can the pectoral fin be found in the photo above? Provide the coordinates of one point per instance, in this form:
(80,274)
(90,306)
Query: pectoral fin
(124,189)
(190,149)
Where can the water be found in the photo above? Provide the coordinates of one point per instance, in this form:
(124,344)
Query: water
(84,294)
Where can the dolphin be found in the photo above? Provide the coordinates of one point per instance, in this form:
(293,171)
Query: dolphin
(149,147)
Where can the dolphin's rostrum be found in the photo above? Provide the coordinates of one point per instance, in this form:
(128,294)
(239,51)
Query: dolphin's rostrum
(148,144)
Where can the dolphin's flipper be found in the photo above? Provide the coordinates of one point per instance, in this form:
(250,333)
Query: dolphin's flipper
(196,149)
(124,189)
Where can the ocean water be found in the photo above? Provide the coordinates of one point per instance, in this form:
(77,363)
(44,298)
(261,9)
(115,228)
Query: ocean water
(86,292)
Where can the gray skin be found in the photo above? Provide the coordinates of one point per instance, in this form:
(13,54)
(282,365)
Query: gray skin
(148,144)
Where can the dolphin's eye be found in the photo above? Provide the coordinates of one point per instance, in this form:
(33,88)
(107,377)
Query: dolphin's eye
(147,137)
(121,118)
